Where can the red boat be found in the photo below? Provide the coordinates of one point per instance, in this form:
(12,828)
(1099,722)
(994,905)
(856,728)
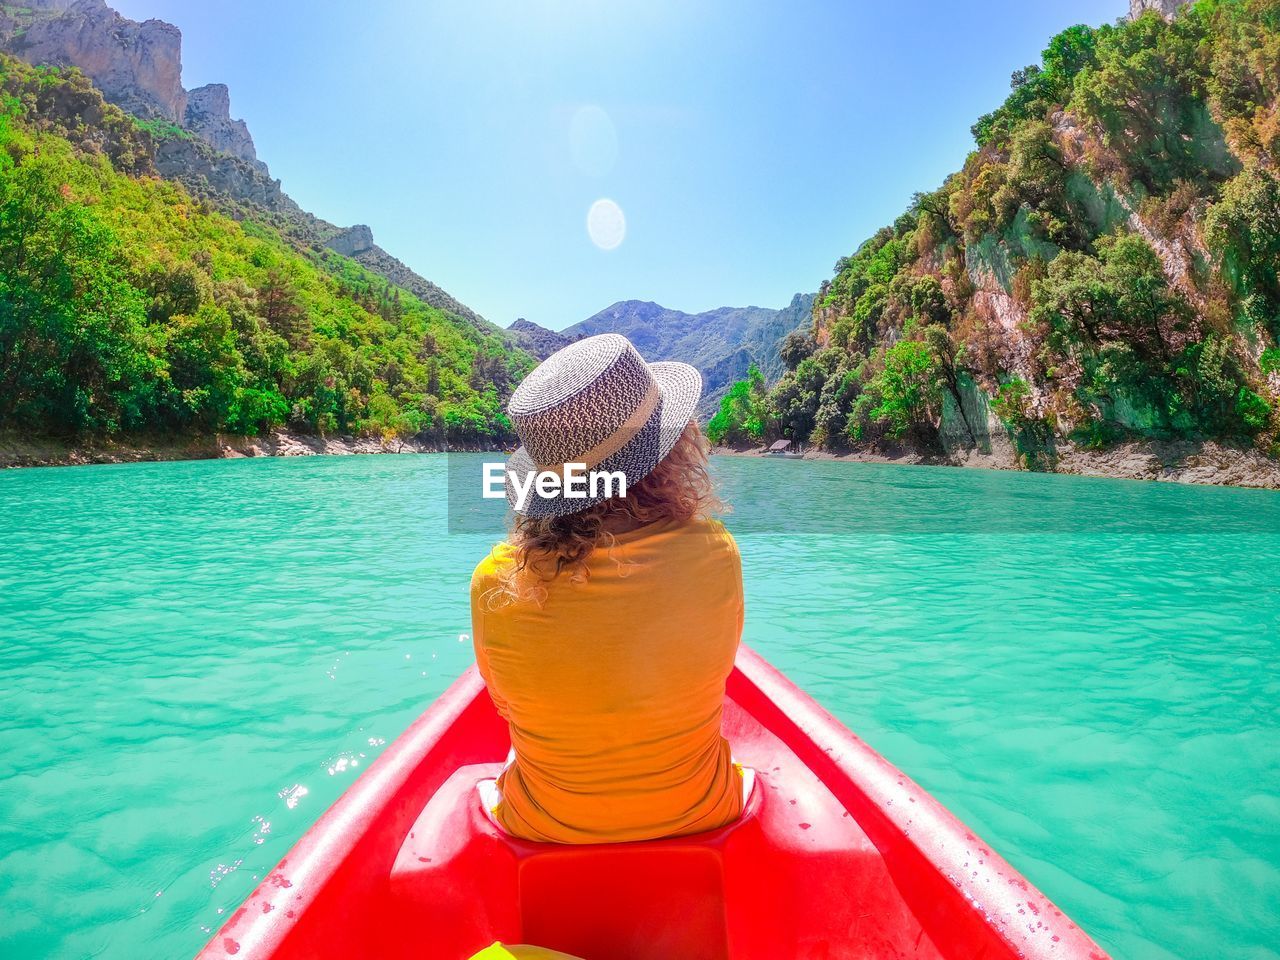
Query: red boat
(837,855)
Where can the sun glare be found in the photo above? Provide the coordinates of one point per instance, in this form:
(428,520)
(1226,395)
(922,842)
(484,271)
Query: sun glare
(606,225)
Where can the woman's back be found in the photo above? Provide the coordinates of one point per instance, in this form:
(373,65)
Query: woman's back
(614,687)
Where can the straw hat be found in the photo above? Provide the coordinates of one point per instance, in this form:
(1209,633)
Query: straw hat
(596,402)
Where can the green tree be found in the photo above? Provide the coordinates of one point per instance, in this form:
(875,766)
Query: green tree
(75,354)
(741,417)
(908,389)
(281,309)
(948,359)
(1146,94)
(1037,89)
(1031,435)
(795,347)
(1243,228)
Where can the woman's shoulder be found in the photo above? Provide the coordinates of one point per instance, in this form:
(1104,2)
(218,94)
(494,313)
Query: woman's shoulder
(707,534)
(489,569)
(712,527)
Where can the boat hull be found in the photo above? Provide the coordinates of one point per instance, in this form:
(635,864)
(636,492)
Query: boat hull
(837,855)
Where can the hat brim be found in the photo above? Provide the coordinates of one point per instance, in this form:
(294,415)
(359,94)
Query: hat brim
(679,387)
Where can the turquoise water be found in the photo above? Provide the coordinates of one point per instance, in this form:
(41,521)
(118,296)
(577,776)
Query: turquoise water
(197,658)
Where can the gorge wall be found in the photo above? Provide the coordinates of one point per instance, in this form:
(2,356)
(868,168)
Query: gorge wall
(1096,284)
(1166,8)
(138,67)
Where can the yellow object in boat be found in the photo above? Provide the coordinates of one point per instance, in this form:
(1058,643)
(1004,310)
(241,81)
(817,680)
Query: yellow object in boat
(520,952)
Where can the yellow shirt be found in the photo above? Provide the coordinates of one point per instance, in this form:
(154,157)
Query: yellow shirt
(614,688)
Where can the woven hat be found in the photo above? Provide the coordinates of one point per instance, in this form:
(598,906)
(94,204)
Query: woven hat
(596,402)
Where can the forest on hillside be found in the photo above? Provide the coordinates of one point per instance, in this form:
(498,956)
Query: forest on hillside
(127,307)
(1105,266)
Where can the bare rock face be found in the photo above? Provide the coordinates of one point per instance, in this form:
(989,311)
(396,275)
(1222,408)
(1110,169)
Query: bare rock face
(207,172)
(137,66)
(352,241)
(1166,8)
(208,115)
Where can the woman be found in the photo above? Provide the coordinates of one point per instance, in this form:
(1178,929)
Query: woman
(606,628)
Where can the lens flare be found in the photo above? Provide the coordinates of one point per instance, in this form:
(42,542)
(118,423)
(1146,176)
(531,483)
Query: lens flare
(606,226)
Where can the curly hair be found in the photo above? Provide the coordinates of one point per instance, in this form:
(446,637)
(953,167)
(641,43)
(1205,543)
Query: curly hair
(679,488)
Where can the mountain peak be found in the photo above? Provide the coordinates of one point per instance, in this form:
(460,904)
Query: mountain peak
(1166,8)
(137,66)
(722,343)
(208,115)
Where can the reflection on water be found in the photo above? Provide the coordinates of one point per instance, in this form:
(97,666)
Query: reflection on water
(199,657)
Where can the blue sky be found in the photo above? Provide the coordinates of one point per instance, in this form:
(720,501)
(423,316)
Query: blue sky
(747,144)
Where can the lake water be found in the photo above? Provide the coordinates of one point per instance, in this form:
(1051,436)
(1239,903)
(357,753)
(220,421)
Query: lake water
(197,658)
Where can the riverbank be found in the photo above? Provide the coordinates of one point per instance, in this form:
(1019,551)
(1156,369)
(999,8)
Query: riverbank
(1200,462)
(17,452)
(1207,462)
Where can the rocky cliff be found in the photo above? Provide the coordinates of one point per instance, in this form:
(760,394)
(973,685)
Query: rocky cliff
(1101,271)
(138,67)
(240,187)
(1166,8)
(352,241)
(208,115)
(357,243)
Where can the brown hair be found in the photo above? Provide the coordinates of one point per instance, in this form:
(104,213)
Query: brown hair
(679,488)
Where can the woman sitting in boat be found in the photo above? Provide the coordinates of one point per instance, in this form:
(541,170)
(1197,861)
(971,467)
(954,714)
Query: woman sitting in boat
(606,627)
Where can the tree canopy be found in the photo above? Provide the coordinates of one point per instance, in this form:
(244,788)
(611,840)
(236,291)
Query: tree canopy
(127,306)
(1105,265)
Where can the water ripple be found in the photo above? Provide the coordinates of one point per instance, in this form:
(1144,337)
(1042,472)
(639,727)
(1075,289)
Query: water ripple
(197,658)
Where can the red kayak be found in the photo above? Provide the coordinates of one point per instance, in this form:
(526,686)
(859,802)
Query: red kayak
(837,855)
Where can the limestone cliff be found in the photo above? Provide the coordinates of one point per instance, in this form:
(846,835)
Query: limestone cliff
(208,115)
(1166,8)
(1100,271)
(137,66)
(352,241)
(227,180)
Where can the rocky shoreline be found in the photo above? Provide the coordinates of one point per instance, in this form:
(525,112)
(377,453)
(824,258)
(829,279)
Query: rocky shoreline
(18,452)
(1206,462)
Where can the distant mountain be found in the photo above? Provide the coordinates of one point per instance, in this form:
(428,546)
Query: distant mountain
(721,343)
(138,67)
(536,340)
